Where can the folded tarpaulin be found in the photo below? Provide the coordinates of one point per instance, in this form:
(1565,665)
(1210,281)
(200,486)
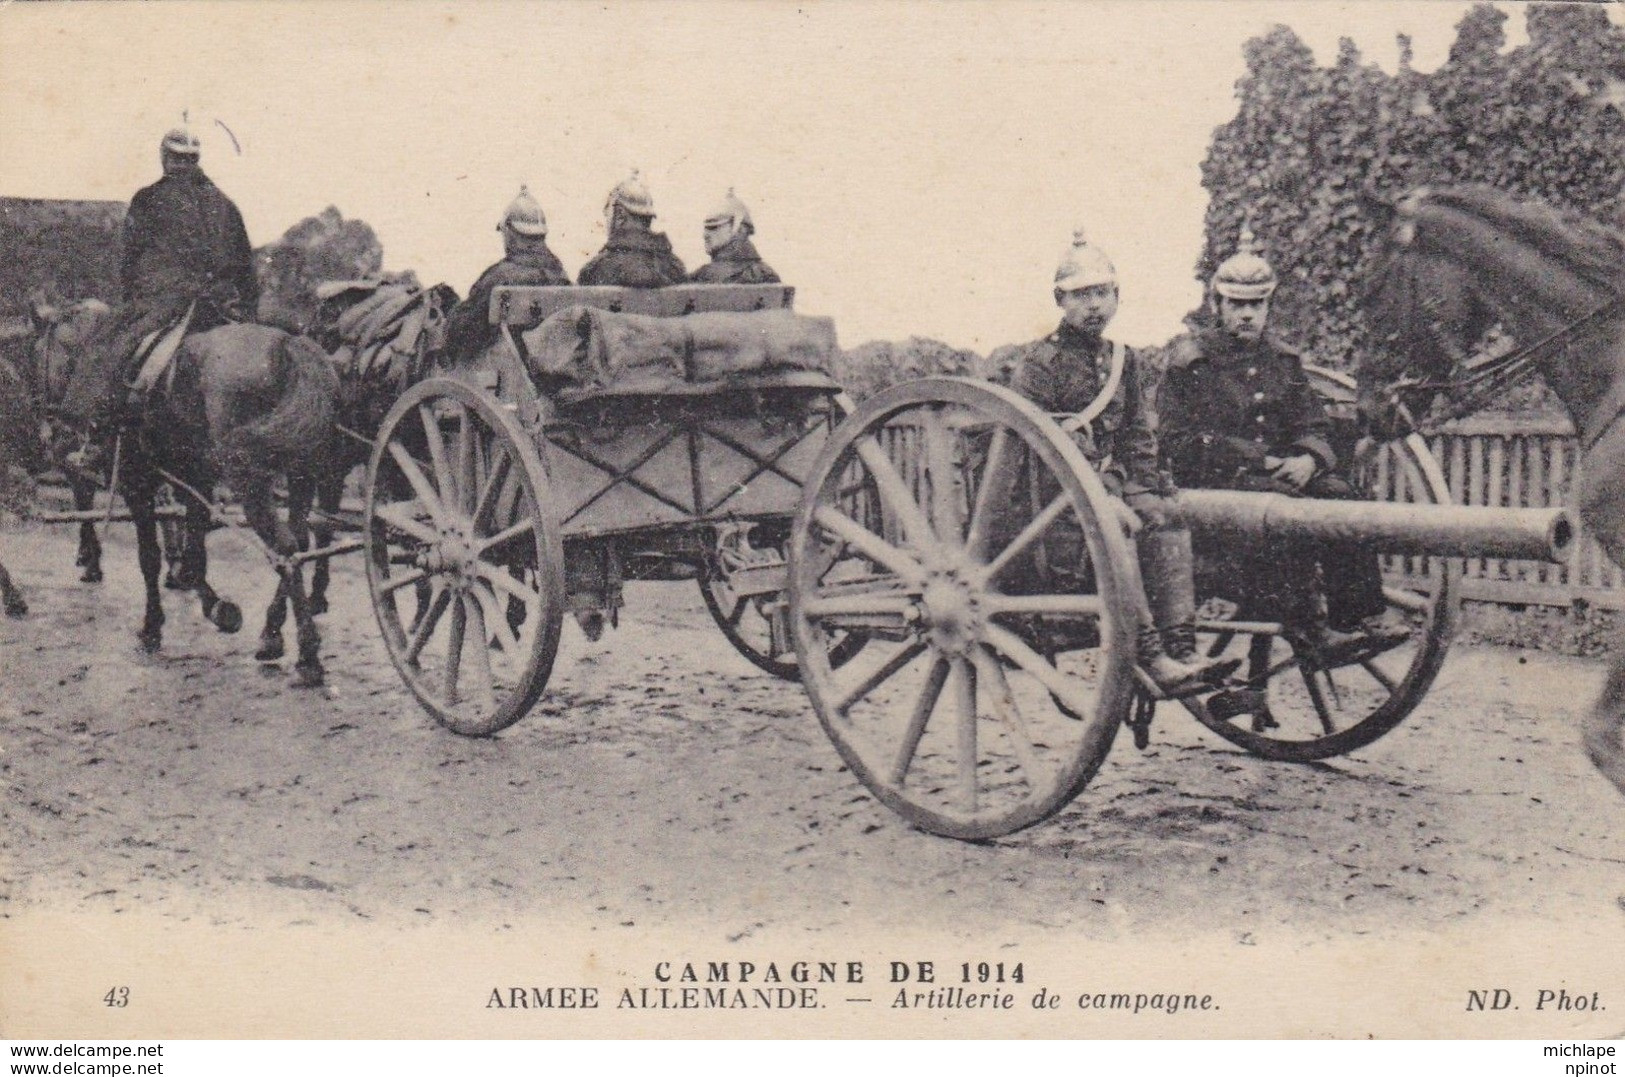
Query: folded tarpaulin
(585,351)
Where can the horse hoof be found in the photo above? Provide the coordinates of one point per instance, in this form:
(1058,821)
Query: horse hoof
(150,641)
(226,616)
(309,674)
(271,649)
(93,574)
(19,608)
(318,606)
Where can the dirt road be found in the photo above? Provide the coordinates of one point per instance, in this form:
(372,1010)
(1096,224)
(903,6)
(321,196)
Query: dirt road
(666,781)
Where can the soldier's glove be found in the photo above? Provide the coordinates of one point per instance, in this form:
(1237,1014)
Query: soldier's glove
(1296,470)
(1150,507)
(1126,518)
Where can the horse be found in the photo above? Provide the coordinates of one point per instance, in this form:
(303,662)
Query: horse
(28,388)
(368,388)
(242,403)
(1456,261)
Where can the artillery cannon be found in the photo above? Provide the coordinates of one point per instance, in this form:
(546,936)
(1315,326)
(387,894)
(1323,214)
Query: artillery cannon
(992,585)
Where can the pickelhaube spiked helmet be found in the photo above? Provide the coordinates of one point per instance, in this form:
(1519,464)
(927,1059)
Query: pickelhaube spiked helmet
(181,140)
(524,215)
(1245,274)
(631,195)
(730,211)
(1084,265)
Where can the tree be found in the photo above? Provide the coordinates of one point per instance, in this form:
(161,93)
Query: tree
(1546,119)
(320,248)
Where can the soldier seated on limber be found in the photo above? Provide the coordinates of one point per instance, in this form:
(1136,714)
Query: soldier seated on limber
(185,266)
(1237,412)
(734,260)
(526,260)
(1066,372)
(634,255)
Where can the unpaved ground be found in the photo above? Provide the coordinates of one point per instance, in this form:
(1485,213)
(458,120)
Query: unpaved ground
(666,781)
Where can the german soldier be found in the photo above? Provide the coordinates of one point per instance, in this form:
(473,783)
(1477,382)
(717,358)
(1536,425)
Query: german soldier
(634,255)
(526,260)
(1238,413)
(734,260)
(1067,372)
(184,257)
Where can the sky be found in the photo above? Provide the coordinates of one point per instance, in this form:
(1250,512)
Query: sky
(913,168)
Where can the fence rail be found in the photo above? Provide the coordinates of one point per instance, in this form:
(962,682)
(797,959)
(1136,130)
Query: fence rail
(1517,463)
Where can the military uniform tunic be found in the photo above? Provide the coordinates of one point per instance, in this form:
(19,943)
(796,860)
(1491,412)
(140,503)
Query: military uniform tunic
(468,328)
(635,257)
(1224,406)
(736,262)
(1063,373)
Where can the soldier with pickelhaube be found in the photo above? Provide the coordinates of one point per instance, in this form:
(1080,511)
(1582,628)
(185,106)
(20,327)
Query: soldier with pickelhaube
(1077,370)
(734,260)
(634,255)
(526,260)
(1237,412)
(185,266)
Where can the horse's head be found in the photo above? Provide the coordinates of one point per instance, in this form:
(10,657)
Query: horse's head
(1425,315)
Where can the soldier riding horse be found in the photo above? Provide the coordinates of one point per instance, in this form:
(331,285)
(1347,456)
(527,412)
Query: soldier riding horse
(1458,260)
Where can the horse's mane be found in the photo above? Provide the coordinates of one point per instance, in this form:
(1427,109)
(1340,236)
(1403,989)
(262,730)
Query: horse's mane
(1585,247)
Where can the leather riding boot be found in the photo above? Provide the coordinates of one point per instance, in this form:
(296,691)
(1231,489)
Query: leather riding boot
(1170,591)
(1172,677)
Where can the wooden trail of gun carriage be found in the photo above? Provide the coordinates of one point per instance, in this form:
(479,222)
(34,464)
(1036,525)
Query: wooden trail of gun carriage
(939,567)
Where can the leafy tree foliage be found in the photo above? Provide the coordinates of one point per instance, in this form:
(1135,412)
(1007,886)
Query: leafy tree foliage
(320,248)
(1546,119)
(57,248)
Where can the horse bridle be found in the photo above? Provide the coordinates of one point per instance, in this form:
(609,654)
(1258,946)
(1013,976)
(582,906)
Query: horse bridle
(1493,377)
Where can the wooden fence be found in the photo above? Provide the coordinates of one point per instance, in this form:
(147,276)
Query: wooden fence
(1522,463)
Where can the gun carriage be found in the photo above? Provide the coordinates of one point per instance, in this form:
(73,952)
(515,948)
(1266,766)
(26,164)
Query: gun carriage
(940,567)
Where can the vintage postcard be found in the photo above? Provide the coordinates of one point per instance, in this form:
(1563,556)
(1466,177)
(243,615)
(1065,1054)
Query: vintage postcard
(990,520)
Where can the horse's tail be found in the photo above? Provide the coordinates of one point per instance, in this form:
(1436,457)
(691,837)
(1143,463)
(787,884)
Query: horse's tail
(1604,728)
(295,435)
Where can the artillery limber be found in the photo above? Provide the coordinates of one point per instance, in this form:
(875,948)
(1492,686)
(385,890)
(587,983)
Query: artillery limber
(611,434)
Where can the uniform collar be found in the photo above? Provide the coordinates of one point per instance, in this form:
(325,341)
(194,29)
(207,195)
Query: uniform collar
(737,249)
(1067,337)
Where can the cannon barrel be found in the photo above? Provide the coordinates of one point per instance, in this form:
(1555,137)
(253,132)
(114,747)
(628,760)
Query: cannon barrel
(1238,516)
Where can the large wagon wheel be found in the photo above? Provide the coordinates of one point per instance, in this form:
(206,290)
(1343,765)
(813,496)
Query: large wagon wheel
(1294,713)
(464,559)
(993,589)
(745,617)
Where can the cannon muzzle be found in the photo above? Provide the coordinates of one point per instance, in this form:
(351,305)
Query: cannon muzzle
(1237,516)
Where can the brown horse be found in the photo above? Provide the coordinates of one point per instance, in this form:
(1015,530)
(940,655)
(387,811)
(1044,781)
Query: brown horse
(367,390)
(33,378)
(244,404)
(1457,261)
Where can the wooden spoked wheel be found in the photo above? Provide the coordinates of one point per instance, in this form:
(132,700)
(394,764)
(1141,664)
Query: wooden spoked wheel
(992,586)
(1294,712)
(464,560)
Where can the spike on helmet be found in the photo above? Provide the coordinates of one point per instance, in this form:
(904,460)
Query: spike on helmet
(731,212)
(631,195)
(1084,265)
(524,215)
(181,140)
(1245,274)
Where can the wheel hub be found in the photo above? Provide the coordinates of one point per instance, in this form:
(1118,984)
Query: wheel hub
(950,612)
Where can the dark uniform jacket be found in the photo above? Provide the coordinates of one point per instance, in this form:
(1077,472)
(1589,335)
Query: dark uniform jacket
(1225,404)
(183,240)
(1063,373)
(635,258)
(468,327)
(736,262)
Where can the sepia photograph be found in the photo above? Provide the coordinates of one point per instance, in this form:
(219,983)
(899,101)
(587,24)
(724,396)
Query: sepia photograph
(820,520)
